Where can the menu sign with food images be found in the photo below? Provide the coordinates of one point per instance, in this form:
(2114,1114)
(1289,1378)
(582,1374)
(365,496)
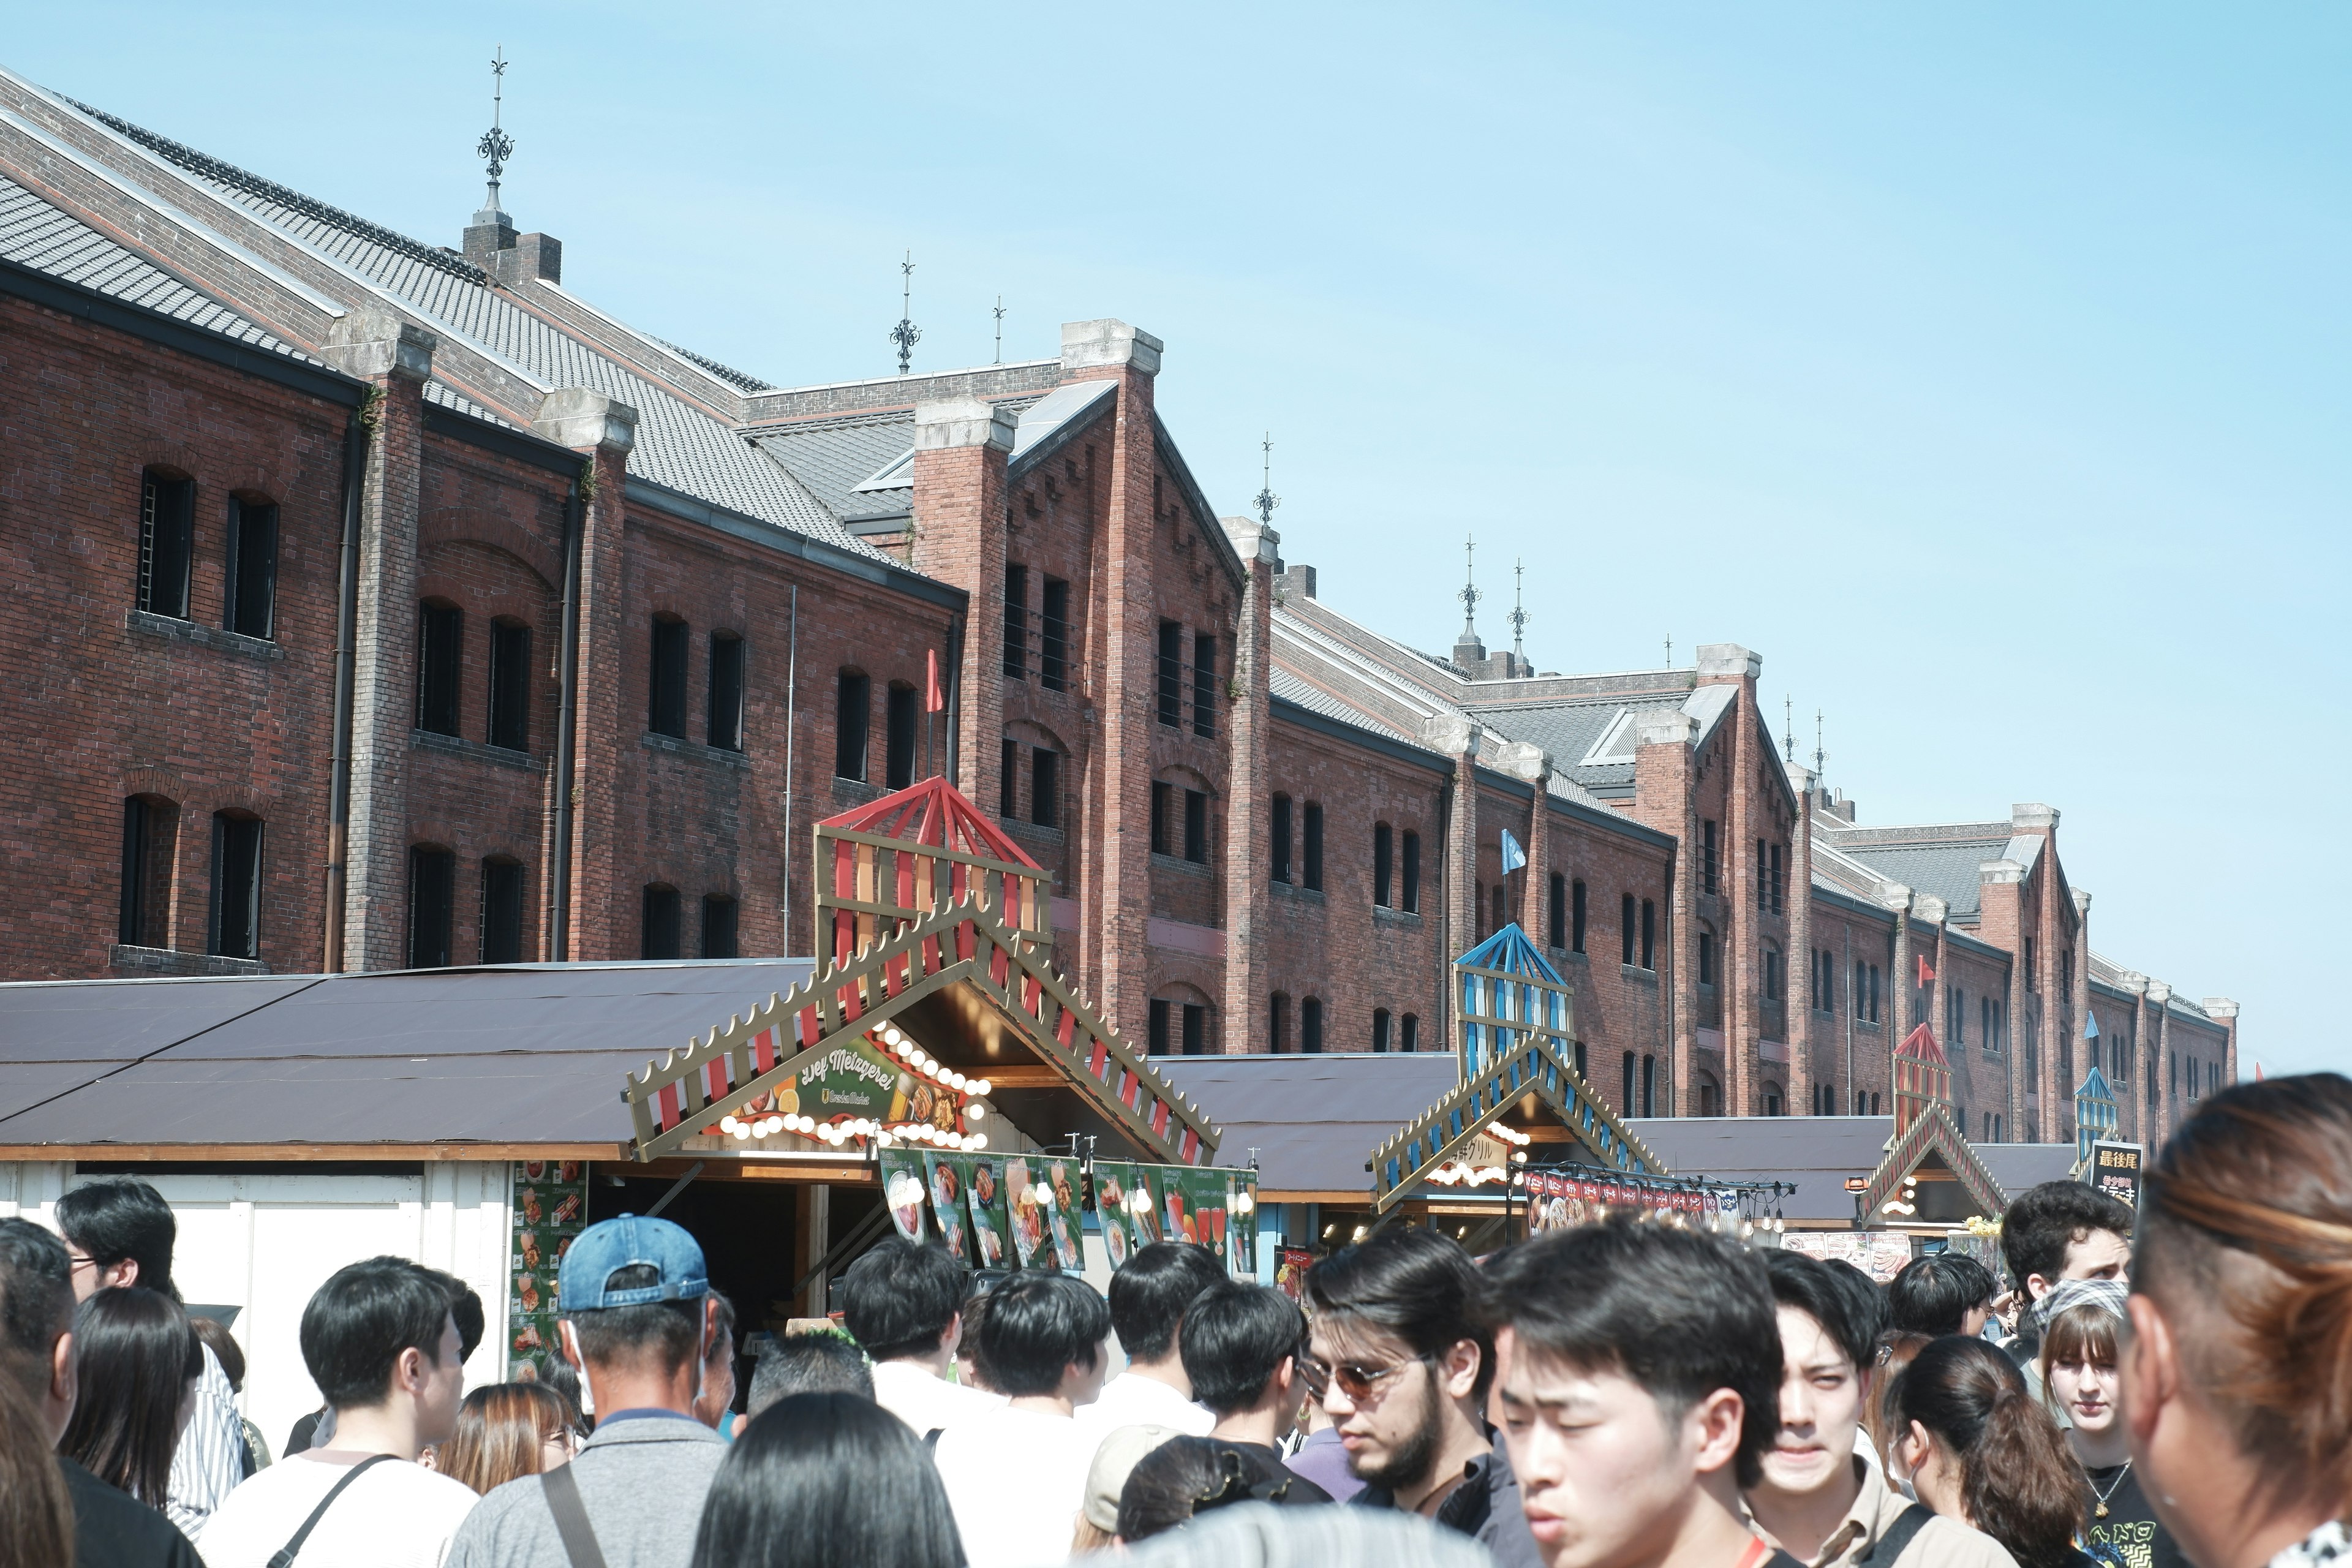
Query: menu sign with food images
(948,1177)
(983,1192)
(550,1207)
(1027,1211)
(1114,1208)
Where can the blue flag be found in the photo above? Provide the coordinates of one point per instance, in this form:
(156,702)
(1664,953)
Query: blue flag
(1512,856)
(2091,1028)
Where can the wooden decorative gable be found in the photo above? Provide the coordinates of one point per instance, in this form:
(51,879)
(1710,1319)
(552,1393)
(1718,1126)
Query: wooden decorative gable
(1508,993)
(976,993)
(1931,1147)
(897,858)
(1535,1071)
(2097,1115)
(1923,1077)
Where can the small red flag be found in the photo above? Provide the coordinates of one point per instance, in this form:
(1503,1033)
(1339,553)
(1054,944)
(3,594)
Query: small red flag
(934,699)
(1926,976)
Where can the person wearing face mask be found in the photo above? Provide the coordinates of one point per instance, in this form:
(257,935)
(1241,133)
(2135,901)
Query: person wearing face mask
(2082,1326)
(1977,1447)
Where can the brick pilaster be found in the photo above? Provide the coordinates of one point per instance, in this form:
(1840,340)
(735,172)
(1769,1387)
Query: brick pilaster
(959,537)
(1666,796)
(1250,785)
(1458,738)
(1743,958)
(1800,940)
(1532,765)
(2079,1003)
(2160,1007)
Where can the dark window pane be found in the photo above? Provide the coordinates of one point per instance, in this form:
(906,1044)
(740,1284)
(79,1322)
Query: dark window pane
(1204,684)
(1379,1028)
(718,926)
(898,756)
(432,907)
(1277,1023)
(1280,830)
(167,510)
(853,711)
(1555,912)
(1576,917)
(1054,649)
(501,911)
(658,924)
(252,567)
(1413,873)
(1008,779)
(1314,846)
(1625,925)
(1410,1036)
(726,716)
(511,685)
(1016,623)
(1310,1024)
(1196,827)
(1649,934)
(1161,809)
(1156,1041)
(1171,674)
(236,886)
(151,836)
(1045,787)
(1196,1029)
(666,711)
(440,645)
(1383,854)
(1649,1086)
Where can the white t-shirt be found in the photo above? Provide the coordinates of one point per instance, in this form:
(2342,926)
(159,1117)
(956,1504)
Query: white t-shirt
(908,1390)
(1015,1479)
(398,1515)
(1131,1399)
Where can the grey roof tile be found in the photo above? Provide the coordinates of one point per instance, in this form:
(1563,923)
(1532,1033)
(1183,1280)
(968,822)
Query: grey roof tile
(1948,868)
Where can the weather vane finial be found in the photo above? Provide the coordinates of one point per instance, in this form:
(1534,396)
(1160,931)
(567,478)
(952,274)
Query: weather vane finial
(1519,611)
(1265,501)
(1789,728)
(906,334)
(1000,328)
(1669,650)
(1821,758)
(1470,594)
(496,145)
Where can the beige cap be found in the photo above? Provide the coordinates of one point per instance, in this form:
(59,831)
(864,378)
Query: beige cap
(1106,1476)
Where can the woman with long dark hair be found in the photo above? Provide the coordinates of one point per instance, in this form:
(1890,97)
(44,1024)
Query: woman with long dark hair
(820,1479)
(506,1431)
(1976,1448)
(36,1515)
(136,1360)
(2237,1375)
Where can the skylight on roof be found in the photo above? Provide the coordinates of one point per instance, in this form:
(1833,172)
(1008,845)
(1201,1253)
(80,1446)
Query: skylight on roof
(896,474)
(1616,745)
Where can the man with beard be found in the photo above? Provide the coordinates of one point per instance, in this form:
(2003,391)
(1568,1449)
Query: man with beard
(1401,1368)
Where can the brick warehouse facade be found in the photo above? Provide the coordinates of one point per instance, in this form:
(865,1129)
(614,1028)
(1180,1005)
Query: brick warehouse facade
(386,604)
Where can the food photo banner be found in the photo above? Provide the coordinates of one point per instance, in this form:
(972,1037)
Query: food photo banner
(1028,1210)
(1558,1201)
(551,1208)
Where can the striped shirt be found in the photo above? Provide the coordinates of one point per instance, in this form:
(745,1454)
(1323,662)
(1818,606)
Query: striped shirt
(210,1459)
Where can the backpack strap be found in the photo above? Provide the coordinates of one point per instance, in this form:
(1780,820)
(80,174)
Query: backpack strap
(562,1489)
(285,1555)
(1887,1548)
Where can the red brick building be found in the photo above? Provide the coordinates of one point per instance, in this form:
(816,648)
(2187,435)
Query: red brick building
(383,604)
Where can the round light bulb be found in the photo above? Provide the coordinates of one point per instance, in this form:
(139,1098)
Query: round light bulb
(979,1085)
(903,1050)
(1245,1203)
(727,1124)
(974,1112)
(980,1140)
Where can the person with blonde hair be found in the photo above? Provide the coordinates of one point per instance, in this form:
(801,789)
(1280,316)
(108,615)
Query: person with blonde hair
(508,1430)
(2237,1373)
(2082,1323)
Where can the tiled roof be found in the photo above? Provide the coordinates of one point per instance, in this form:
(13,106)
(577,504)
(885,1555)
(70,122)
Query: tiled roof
(450,397)
(1569,729)
(833,457)
(1947,868)
(741,380)
(36,235)
(680,445)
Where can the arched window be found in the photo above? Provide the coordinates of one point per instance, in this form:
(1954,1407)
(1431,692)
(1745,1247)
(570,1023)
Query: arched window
(1648,933)
(1045,786)
(1556,928)
(666,699)
(1772,1100)
(1411,900)
(1383,862)
(1649,1086)
(237,885)
(1311,852)
(1710,1096)
(501,910)
(725,719)
(1773,983)
(509,684)
(1277,1023)
(718,911)
(1310,1026)
(1381,1029)
(1409,1036)
(440,646)
(659,921)
(432,907)
(1628,930)
(252,587)
(151,847)
(898,748)
(852,713)
(1707,958)
(1576,913)
(1177,1024)
(167,519)
(1626,1103)
(1279,850)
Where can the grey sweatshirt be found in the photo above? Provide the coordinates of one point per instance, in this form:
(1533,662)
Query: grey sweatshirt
(642,1480)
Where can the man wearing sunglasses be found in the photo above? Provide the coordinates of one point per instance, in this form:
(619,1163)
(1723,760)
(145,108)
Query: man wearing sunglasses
(1398,1362)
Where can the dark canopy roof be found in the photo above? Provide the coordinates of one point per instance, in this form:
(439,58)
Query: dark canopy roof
(528,1054)
(1313,1120)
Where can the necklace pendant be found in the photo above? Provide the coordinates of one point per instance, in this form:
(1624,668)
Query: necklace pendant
(2100,1512)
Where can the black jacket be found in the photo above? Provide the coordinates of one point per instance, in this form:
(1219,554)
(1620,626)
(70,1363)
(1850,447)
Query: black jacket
(1484,1506)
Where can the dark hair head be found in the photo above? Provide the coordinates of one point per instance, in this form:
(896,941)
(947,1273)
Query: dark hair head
(825,1478)
(899,1298)
(2019,1479)
(975,1327)
(1235,1338)
(1037,1326)
(123,1218)
(1816,1289)
(134,1356)
(1681,1312)
(36,1514)
(226,1350)
(36,1303)
(1151,1289)
(810,1363)
(1182,1478)
(464,1311)
(2042,1222)
(662,1336)
(358,1323)
(1412,1285)
(2085,1332)
(723,1327)
(2246,1242)
(1934,1295)
(498,1433)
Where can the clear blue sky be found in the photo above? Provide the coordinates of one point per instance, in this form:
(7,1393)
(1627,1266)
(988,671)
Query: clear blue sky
(1983,368)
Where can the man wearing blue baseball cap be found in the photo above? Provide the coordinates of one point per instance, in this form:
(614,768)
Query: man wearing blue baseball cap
(639,1317)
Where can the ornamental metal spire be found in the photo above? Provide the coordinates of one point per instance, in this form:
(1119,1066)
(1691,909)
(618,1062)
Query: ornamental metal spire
(496,145)
(1470,594)
(1670,652)
(999,331)
(1821,758)
(1789,728)
(1518,616)
(1265,501)
(906,334)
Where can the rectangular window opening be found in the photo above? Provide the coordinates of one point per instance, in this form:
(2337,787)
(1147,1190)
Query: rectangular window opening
(432,907)
(718,913)
(510,702)
(1411,873)
(1204,685)
(725,720)
(1196,827)
(1045,787)
(666,698)
(853,716)
(252,595)
(167,510)
(1313,855)
(501,911)
(1172,675)
(903,723)
(1054,641)
(440,633)
(1196,1029)
(1576,908)
(1016,623)
(1280,828)
(658,923)
(1383,866)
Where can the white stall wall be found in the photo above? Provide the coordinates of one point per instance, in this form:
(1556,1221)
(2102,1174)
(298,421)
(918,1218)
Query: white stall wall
(264,1242)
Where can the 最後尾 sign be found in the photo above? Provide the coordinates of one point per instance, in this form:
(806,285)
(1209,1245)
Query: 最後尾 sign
(2115,1170)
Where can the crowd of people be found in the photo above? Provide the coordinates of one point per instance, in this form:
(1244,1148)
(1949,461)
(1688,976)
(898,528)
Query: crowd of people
(2154,1389)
